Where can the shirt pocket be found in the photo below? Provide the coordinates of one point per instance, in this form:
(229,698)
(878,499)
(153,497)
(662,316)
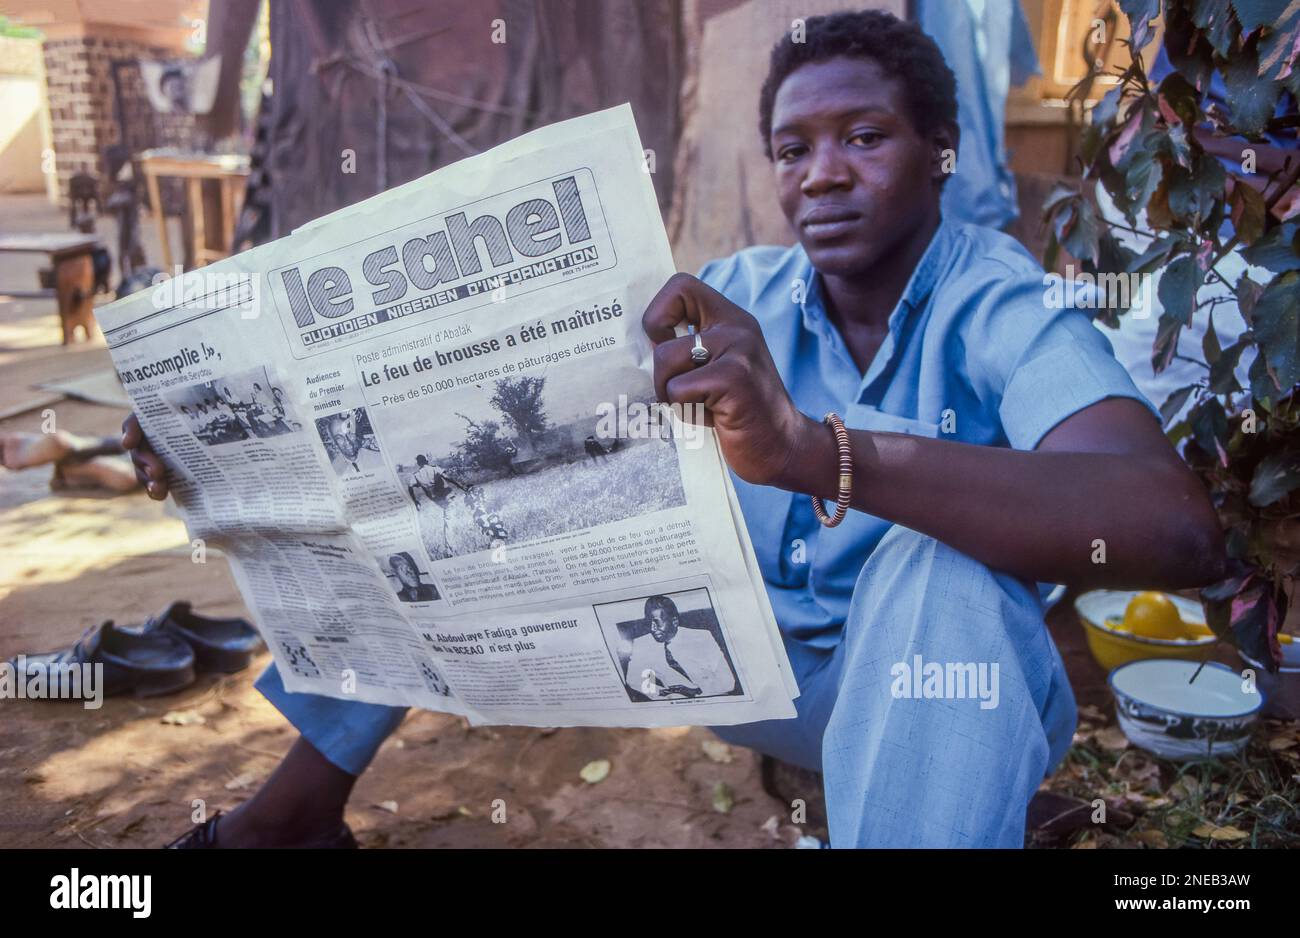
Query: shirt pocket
(863,417)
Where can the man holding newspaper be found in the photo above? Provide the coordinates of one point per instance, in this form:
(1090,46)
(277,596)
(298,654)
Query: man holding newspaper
(974,443)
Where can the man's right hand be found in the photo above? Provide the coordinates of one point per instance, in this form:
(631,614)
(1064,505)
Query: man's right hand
(149,469)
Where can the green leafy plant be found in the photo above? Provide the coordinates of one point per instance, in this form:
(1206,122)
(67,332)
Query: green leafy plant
(1147,146)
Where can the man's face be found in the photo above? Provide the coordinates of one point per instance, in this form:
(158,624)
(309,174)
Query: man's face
(173,89)
(662,626)
(345,438)
(855,179)
(410,579)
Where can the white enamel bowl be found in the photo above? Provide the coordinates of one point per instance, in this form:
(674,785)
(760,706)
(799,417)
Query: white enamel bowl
(1159,711)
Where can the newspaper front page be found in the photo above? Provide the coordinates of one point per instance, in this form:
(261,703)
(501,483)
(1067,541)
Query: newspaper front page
(423,431)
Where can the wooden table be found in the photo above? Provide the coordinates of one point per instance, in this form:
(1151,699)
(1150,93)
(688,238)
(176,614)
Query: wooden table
(72,256)
(229,171)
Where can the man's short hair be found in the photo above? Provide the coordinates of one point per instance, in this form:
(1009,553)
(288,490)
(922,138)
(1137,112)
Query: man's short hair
(661,602)
(901,49)
(421,460)
(403,557)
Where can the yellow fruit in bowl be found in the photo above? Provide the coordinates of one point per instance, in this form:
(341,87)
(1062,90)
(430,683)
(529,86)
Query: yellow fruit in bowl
(1154,615)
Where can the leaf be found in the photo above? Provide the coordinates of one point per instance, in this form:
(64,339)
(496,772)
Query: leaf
(1247,609)
(1247,292)
(1121,148)
(1276,476)
(1215,19)
(1276,327)
(1178,287)
(1152,838)
(716,750)
(723,798)
(1132,135)
(1107,109)
(1278,251)
(1251,98)
(1223,372)
(1174,403)
(1193,195)
(1210,428)
(1056,197)
(1248,212)
(1185,788)
(1158,215)
(1262,386)
(1141,14)
(1210,347)
(1175,144)
(1188,51)
(1252,14)
(1142,178)
(1215,832)
(1077,229)
(1166,344)
(595,771)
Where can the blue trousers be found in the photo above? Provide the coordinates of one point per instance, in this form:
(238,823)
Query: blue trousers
(933,720)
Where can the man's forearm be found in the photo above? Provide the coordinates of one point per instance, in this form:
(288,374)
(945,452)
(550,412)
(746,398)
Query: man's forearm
(1078,518)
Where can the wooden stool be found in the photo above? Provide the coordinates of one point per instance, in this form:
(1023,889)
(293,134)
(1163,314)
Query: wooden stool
(72,257)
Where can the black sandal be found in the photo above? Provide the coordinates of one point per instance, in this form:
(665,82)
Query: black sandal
(204,837)
(145,661)
(221,645)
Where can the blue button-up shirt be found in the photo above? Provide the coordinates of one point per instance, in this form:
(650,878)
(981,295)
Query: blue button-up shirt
(973,354)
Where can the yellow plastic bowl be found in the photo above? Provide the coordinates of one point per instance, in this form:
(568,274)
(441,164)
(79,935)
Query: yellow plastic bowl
(1112,649)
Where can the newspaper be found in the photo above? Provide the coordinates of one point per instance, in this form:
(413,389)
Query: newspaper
(423,431)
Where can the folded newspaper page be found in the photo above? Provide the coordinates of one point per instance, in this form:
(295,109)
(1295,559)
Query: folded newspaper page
(423,431)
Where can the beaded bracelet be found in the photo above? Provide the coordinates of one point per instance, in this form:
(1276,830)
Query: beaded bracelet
(846,475)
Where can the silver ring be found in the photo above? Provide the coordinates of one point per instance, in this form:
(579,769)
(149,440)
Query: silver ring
(699,354)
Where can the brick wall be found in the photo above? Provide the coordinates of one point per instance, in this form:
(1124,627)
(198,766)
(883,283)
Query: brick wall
(79,88)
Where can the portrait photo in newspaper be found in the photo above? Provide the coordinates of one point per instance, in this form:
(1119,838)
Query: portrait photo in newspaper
(350,442)
(669,646)
(237,407)
(523,457)
(408,579)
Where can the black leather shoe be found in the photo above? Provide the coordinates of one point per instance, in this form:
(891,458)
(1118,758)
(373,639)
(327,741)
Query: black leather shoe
(204,837)
(146,662)
(221,645)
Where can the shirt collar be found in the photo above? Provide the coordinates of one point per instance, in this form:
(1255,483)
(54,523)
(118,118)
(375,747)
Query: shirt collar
(919,286)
